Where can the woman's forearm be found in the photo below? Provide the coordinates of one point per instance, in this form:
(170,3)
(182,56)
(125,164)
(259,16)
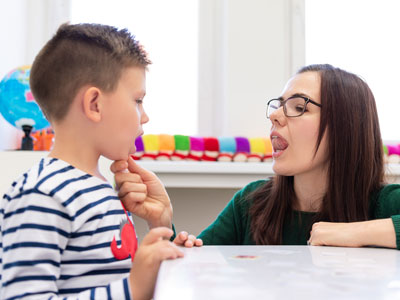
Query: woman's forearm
(378,233)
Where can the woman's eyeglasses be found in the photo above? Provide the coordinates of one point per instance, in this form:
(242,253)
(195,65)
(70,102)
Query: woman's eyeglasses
(294,106)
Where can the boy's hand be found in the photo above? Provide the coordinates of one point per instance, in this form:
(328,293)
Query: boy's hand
(187,240)
(154,248)
(142,193)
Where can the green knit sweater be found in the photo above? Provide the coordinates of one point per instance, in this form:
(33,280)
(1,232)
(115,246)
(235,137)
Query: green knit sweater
(232,226)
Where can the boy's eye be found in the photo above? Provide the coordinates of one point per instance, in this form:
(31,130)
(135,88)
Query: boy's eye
(139,101)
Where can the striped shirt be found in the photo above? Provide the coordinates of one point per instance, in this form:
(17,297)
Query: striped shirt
(57,223)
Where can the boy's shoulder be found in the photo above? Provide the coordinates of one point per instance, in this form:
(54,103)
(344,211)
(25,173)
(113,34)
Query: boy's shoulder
(51,177)
(56,185)
(35,178)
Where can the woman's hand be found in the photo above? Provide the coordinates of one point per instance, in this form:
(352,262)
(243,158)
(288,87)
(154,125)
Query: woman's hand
(187,240)
(355,234)
(142,193)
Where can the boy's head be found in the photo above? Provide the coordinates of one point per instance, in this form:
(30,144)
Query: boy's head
(79,55)
(89,80)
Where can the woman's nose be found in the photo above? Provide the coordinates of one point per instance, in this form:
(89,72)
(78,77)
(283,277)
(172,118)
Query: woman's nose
(278,117)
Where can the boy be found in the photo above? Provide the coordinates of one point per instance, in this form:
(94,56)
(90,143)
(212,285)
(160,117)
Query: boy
(64,231)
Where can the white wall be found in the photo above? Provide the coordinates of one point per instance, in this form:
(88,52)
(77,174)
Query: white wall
(245,56)
(25,26)
(13,24)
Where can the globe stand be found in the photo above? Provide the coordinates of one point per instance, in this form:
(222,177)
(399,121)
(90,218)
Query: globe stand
(27,141)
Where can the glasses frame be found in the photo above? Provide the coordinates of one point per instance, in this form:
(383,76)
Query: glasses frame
(283,104)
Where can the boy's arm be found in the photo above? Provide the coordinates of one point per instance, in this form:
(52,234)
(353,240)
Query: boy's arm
(33,236)
(155,248)
(142,193)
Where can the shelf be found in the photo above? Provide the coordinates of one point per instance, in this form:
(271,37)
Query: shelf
(174,174)
(184,174)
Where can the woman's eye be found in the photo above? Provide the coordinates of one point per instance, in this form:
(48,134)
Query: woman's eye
(139,101)
(299,108)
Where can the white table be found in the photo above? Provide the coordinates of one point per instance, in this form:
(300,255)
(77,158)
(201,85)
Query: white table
(281,272)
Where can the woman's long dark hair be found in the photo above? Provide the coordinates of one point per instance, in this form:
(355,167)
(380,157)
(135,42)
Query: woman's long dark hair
(355,152)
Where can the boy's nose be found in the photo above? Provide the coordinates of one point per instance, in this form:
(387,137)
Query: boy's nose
(144,118)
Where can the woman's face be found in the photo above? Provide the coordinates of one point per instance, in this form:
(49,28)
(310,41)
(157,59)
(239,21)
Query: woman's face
(294,139)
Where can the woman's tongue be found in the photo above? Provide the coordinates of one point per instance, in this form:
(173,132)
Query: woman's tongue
(279,144)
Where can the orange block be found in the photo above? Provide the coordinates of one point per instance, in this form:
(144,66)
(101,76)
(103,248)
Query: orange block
(166,142)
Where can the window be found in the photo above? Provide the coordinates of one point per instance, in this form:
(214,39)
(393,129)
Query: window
(168,30)
(361,37)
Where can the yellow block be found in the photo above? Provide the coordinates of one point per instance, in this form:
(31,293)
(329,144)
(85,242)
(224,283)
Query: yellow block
(151,142)
(257,145)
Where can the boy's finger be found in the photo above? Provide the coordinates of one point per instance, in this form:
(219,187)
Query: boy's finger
(176,252)
(169,250)
(156,234)
(118,166)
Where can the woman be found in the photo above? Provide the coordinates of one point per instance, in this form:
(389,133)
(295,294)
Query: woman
(328,157)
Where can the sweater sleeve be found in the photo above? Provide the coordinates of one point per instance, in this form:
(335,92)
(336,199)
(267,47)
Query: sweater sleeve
(230,226)
(396,224)
(174,234)
(388,206)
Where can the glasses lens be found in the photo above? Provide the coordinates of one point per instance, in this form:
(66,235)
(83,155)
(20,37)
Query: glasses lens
(273,105)
(295,107)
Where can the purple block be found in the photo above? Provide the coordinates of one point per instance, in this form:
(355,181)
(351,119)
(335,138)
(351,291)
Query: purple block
(242,144)
(139,144)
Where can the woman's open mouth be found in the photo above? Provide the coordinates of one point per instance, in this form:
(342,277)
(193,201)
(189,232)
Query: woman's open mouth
(279,145)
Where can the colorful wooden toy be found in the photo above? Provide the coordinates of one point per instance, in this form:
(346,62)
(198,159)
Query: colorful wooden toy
(242,149)
(211,149)
(167,147)
(227,148)
(196,148)
(182,147)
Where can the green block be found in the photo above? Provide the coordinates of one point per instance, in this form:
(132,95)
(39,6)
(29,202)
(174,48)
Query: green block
(182,142)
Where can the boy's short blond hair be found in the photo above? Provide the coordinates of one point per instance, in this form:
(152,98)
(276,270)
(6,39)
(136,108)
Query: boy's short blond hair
(79,55)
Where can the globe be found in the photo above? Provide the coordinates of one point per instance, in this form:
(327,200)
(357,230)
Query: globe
(17,104)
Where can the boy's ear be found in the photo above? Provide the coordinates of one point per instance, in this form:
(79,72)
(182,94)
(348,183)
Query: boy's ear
(92,104)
